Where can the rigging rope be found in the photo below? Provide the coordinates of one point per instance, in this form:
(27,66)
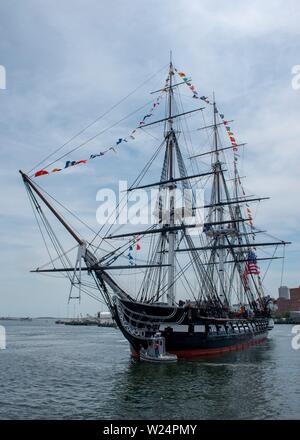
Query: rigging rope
(95,136)
(97,119)
(282,267)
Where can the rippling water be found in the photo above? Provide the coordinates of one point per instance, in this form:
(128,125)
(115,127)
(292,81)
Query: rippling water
(51,371)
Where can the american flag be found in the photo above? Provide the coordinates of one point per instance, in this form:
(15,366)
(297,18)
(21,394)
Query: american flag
(251,267)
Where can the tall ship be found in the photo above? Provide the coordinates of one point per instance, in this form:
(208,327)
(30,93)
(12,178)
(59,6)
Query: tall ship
(198,281)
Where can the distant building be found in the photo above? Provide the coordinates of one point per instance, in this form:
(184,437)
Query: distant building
(295,298)
(295,315)
(105,317)
(288,301)
(284,292)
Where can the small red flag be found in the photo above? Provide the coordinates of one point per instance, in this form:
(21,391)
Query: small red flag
(41,173)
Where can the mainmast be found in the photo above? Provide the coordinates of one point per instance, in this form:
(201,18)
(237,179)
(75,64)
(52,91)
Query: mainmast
(218,200)
(171,234)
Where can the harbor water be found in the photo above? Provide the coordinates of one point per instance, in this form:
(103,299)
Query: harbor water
(51,371)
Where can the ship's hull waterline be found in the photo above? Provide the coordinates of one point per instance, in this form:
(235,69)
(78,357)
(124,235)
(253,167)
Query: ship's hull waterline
(193,336)
(199,352)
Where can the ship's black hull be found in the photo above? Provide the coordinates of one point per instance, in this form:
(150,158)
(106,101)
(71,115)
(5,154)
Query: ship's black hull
(186,334)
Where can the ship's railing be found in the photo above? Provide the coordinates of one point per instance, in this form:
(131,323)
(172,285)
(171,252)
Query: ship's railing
(132,330)
(138,327)
(130,315)
(151,317)
(238,326)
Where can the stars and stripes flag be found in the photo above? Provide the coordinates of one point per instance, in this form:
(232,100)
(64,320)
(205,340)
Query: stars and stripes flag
(251,264)
(251,267)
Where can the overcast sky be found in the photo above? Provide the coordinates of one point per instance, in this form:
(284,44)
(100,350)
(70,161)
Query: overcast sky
(68,61)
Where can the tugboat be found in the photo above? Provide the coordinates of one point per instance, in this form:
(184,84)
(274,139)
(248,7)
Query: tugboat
(199,259)
(156,352)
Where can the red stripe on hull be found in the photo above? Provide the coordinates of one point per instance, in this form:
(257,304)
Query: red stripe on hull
(184,354)
(134,353)
(211,351)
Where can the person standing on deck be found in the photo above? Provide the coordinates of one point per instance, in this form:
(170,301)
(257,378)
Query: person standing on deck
(156,348)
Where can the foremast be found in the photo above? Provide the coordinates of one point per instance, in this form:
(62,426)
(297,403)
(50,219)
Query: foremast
(217,191)
(169,135)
